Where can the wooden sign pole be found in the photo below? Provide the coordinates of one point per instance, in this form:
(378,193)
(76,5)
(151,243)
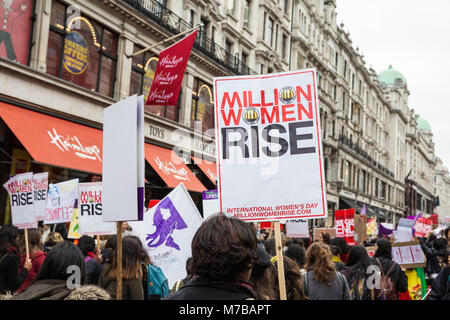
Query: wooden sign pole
(98,244)
(119,260)
(27,249)
(280,264)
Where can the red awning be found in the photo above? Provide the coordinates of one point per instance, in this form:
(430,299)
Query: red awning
(55,141)
(208,167)
(171,168)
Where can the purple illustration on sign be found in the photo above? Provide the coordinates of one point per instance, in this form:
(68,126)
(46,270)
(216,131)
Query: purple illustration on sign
(166,220)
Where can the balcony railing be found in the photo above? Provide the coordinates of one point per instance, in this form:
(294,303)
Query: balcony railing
(358,150)
(175,24)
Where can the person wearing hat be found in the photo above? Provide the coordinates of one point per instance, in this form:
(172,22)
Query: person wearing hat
(261,277)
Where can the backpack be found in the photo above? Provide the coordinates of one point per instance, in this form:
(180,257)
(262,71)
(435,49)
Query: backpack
(156,283)
(387,289)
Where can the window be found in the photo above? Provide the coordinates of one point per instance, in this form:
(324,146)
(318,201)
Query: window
(247,4)
(142,74)
(336,59)
(376,187)
(202,112)
(286,7)
(269,32)
(228,48)
(192,18)
(15,33)
(362,181)
(87,56)
(283,46)
(276,37)
(244,62)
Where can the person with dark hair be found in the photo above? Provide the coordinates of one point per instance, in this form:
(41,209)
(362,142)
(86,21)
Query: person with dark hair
(62,230)
(436,254)
(270,246)
(37,256)
(62,271)
(383,259)
(223,254)
(336,252)
(440,287)
(356,272)
(107,251)
(293,280)
(322,281)
(154,282)
(343,248)
(131,272)
(189,275)
(93,268)
(297,253)
(10,277)
(262,277)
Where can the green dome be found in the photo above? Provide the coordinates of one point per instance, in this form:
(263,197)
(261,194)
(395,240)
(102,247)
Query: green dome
(423,124)
(392,77)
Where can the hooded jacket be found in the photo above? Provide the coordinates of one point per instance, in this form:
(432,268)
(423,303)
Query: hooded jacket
(204,289)
(47,289)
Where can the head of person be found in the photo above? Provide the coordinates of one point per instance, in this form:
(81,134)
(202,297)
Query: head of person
(61,262)
(62,230)
(297,253)
(9,236)
(262,276)
(358,261)
(34,241)
(111,243)
(384,249)
(52,239)
(224,249)
(89,292)
(86,244)
(293,279)
(189,268)
(319,259)
(335,251)
(145,258)
(341,243)
(270,246)
(131,260)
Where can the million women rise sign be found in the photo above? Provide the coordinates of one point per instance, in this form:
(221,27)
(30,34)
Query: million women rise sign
(269,149)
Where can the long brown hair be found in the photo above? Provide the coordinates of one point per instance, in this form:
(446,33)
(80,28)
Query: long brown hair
(131,260)
(293,280)
(320,259)
(34,241)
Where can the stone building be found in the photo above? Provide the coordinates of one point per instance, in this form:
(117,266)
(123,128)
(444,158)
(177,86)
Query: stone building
(375,150)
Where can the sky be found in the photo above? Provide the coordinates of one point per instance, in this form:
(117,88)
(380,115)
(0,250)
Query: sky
(414,37)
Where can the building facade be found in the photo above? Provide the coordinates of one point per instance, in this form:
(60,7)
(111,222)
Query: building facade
(74,58)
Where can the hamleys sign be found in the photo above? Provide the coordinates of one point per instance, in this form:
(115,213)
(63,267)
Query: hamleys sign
(73,144)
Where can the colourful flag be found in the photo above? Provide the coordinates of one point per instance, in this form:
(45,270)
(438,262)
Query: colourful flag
(363,210)
(169,72)
(372,227)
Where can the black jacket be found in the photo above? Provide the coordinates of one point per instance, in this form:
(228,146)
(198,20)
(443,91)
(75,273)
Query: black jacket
(433,256)
(397,275)
(10,278)
(203,289)
(440,287)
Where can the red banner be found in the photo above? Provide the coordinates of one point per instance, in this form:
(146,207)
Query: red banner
(344,221)
(169,72)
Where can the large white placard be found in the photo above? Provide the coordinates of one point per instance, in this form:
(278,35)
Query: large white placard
(61,199)
(167,231)
(90,211)
(20,191)
(123,160)
(40,186)
(269,149)
(297,229)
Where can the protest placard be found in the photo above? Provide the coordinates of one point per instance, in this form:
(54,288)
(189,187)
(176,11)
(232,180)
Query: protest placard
(344,224)
(360,229)
(74,231)
(446,221)
(297,229)
(318,233)
(371,251)
(123,160)
(167,231)
(268,140)
(61,199)
(20,191)
(90,211)
(422,227)
(408,254)
(40,186)
(210,201)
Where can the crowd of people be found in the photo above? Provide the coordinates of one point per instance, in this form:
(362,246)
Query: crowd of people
(231,260)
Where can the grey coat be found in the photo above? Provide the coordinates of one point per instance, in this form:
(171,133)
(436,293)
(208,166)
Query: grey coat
(316,290)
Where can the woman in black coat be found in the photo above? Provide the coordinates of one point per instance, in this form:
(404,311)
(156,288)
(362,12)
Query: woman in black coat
(383,256)
(10,278)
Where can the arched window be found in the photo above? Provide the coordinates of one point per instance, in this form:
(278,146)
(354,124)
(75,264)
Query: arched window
(202,106)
